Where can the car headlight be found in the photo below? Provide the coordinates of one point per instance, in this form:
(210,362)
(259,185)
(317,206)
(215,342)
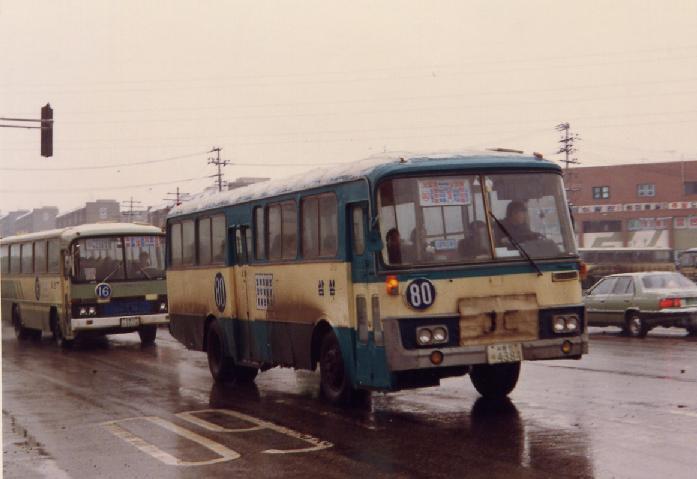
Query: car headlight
(424,336)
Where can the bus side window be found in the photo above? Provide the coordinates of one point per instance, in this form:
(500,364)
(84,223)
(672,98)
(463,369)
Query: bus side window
(241,245)
(175,245)
(53,256)
(260,233)
(27,258)
(358,231)
(218,239)
(14,258)
(188,243)
(40,256)
(5,259)
(204,241)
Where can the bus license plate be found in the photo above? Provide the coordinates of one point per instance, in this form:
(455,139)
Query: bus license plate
(504,353)
(130,322)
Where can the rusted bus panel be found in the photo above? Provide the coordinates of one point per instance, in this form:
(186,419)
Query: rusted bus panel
(492,319)
(191,292)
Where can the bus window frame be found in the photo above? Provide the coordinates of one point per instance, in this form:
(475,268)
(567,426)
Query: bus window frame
(30,245)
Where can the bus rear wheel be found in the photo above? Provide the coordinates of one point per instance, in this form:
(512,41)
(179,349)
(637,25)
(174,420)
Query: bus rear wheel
(21,333)
(335,385)
(495,380)
(147,334)
(222,367)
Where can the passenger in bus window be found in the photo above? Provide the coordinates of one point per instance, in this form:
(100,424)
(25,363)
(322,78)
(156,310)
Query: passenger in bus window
(476,244)
(393,242)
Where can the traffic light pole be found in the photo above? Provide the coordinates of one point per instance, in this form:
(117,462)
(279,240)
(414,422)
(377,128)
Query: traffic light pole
(46,128)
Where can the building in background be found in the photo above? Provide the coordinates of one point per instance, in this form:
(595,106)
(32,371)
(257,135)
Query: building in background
(8,222)
(636,205)
(92,212)
(38,219)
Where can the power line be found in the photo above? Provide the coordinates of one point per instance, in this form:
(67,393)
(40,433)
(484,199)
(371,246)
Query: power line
(103,167)
(101,188)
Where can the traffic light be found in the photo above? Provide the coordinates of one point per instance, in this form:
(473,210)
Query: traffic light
(47,130)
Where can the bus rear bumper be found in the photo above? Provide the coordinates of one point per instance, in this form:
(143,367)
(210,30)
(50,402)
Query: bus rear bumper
(400,359)
(127,323)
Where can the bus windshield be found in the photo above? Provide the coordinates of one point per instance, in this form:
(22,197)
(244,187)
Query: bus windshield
(442,219)
(103,259)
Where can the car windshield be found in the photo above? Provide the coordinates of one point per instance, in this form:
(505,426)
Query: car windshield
(442,219)
(667,281)
(102,259)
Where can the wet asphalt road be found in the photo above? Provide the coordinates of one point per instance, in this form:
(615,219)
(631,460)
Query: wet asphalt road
(112,408)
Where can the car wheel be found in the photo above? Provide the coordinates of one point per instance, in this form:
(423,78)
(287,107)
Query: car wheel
(635,326)
(495,380)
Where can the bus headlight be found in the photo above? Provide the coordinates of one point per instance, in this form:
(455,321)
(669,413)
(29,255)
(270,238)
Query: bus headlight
(83,311)
(440,334)
(92,311)
(565,323)
(163,307)
(424,336)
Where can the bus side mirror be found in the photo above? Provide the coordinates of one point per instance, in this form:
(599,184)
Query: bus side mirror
(374,241)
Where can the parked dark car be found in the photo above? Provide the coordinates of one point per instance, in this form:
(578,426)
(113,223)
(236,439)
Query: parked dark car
(638,302)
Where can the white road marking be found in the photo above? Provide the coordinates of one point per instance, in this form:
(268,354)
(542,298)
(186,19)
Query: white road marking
(685,413)
(225,454)
(317,444)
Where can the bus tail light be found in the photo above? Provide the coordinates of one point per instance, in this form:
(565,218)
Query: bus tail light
(670,303)
(392,285)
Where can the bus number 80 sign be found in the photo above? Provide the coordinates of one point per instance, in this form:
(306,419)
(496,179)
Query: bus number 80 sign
(420,293)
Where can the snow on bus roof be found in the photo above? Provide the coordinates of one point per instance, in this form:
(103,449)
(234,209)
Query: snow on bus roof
(322,176)
(89,229)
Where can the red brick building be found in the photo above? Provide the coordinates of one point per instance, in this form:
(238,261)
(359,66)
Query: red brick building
(637,205)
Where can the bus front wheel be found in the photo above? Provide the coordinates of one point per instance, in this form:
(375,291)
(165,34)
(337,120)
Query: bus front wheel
(334,381)
(495,380)
(147,334)
(222,367)
(58,335)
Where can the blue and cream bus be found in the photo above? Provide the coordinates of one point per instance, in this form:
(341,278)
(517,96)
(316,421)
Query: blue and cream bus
(91,279)
(389,273)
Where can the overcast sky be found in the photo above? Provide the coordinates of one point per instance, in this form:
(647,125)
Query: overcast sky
(282,86)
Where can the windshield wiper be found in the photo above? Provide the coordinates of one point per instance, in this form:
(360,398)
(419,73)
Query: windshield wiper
(516,244)
(118,267)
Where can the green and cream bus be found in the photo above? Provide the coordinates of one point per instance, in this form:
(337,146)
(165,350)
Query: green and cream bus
(101,278)
(389,273)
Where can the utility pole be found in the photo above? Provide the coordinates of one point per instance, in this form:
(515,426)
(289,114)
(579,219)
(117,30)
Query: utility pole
(46,128)
(179,197)
(130,203)
(217,162)
(567,144)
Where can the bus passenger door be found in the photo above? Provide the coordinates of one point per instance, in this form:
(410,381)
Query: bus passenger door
(370,353)
(239,239)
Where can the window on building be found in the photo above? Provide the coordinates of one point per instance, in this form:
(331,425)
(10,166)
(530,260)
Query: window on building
(27,258)
(648,189)
(602,226)
(260,232)
(691,187)
(40,256)
(601,192)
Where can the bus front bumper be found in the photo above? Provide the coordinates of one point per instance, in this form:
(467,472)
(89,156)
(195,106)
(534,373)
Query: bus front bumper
(126,323)
(400,359)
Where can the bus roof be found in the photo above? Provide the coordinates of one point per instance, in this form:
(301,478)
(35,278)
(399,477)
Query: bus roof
(628,248)
(91,229)
(372,169)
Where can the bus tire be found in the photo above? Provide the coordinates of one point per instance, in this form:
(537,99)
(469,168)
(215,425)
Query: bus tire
(692,330)
(222,367)
(495,380)
(147,333)
(635,326)
(21,333)
(58,335)
(335,384)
